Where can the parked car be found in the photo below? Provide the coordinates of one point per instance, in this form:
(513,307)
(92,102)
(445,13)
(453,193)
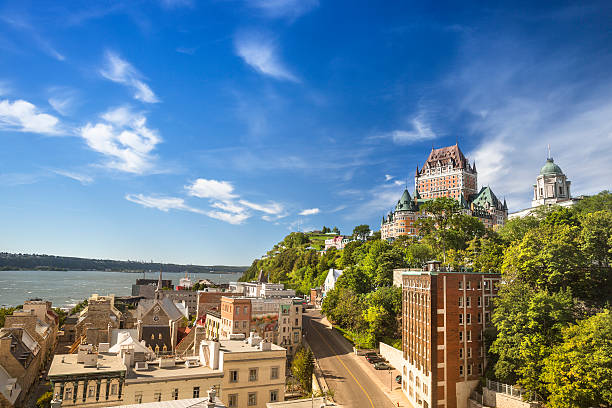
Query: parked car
(371,353)
(382,366)
(374,359)
(398,379)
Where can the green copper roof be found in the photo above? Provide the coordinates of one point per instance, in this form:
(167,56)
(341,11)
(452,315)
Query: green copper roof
(486,198)
(550,168)
(404,203)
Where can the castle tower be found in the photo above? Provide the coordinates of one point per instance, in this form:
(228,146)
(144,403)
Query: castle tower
(552,186)
(447,173)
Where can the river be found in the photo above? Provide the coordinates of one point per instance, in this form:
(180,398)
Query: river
(66,288)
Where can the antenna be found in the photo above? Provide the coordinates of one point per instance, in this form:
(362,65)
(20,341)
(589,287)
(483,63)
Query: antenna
(548,151)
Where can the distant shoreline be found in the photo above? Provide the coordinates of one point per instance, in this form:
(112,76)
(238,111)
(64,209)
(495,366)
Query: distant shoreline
(213,272)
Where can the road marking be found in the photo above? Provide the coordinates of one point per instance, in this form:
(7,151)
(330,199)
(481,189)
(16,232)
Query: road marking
(341,362)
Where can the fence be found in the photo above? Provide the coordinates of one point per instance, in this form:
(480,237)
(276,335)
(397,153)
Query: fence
(505,389)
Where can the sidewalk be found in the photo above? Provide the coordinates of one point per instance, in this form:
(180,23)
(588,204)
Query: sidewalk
(380,377)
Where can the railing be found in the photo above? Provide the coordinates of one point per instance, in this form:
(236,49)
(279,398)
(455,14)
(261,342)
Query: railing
(476,396)
(505,389)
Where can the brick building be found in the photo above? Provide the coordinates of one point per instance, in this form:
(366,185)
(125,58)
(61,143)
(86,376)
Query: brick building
(235,316)
(444,315)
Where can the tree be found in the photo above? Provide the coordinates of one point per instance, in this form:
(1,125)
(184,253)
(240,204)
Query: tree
(578,372)
(361,231)
(45,400)
(515,229)
(325,230)
(529,324)
(302,368)
(598,202)
(336,231)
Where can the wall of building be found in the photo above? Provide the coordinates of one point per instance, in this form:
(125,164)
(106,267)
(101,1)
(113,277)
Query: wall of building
(392,355)
(495,399)
(165,388)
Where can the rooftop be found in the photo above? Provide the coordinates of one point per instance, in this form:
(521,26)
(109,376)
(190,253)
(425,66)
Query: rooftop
(66,364)
(184,403)
(154,373)
(241,346)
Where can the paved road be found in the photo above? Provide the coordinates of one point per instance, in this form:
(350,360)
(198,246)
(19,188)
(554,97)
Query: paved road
(352,386)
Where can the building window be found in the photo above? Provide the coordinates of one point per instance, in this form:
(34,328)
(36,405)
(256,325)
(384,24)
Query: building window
(113,389)
(175,394)
(479,318)
(237,325)
(479,285)
(232,400)
(468,318)
(469,335)
(460,370)
(469,369)
(234,376)
(138,398)
(467,301)
(479,368)
(274,373)
(460,353)
(157,397)
(244,324)
(252,399)
(460,285)
(68,394)
(273,395)
(252,374)
(479,301)
(467,285)
(461,318)
(460,336)
(196,392)
(487,317)
(246,310)
(91,392)
(469,352)
(460,301)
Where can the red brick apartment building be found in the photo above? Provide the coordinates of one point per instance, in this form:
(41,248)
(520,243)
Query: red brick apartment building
(235,316)
(444,315)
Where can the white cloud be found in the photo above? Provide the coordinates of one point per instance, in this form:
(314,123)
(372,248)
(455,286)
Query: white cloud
(120,71)
(81,178)
(23,116)
(388,177)
(219,190)
(270,208)
(62,99)
(228,217)
(310,211)
(259,51)
(161,203)
(283,8)
(420,131)
(125,139)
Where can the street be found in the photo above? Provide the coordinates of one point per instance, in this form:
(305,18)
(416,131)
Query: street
(352,386)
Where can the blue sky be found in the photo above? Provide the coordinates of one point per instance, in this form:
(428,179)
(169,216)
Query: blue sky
(204,131)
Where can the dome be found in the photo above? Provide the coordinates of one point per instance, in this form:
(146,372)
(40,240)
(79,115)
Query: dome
(550,168)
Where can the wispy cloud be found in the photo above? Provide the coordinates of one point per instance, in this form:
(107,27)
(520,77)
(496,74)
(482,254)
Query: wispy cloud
(21,23)
(388,177)
(419,131)
(290,9)
(119,70)
(260,52)
(310,211)
(62,99)
(124,138)
(161,203)
(229,206)
(23,116)
(187,50)
(81,178)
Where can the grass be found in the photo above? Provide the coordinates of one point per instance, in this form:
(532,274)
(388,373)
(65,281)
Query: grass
(358,340)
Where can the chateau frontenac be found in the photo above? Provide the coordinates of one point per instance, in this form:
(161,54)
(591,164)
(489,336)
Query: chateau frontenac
(446,173)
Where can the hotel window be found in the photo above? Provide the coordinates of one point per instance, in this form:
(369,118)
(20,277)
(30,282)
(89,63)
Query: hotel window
(252,399)
(273,395)
(252,374)
(468,318)
(460,370)
(196,392)
(233,376)
(232,400)
(274,373)
(157,397)
(175,394)
(113,389)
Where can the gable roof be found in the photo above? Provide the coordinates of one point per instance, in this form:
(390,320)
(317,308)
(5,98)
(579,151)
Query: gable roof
(445,156)
(487,199)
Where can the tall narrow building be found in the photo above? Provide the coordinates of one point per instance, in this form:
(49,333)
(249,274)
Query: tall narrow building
(447,173)
(444,316)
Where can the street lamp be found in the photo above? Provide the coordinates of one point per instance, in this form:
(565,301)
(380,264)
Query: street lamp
(390,380)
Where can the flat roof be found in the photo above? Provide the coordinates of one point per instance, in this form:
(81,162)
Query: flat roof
(419,272)
(241,346)
(154,373)
(66,364)
(185,403)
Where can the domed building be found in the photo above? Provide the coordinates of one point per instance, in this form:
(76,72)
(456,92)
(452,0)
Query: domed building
(551,188)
